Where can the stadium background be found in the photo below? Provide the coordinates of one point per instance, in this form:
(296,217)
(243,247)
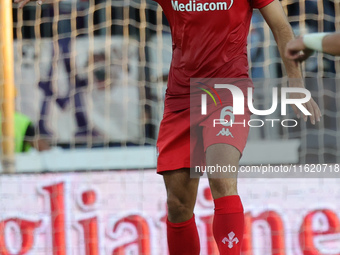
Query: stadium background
(91,75)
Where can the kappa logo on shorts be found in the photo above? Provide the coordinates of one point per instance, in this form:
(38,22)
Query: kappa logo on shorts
(230,240)
(225,132)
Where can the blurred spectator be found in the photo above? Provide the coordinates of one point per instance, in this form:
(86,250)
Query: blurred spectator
(25,136)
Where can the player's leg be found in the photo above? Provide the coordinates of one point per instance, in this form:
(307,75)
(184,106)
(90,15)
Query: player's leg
(181,227)
(228,218)
(173,147)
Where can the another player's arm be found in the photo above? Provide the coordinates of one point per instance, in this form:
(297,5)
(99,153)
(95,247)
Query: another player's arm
(277,20)
(331,44)
(324,42)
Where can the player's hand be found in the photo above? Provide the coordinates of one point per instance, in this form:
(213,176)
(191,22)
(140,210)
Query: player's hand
(311,105)
(296,50)
(22,3)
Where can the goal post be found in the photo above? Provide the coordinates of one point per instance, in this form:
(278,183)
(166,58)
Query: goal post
(7,87)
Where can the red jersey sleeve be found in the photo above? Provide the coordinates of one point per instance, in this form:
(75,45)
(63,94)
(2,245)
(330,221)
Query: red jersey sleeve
(258,4)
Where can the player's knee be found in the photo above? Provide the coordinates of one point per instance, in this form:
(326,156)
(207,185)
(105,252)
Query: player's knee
(223,187)
(179,211)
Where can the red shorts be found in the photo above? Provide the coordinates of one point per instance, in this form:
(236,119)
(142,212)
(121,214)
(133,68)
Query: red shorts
(182,142)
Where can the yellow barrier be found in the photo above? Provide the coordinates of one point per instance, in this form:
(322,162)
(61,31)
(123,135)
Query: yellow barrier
(7,86)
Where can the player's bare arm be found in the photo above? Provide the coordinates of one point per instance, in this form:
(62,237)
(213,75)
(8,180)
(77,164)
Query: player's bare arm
(300,48)
(22,3)
(282,31)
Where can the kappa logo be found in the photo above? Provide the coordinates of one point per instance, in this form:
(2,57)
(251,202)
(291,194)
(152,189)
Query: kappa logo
(225,132)
(230,240)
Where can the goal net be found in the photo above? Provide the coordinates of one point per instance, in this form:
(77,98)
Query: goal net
(93,74)
(91,77)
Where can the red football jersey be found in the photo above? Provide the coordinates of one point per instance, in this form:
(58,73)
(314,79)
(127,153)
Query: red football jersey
(209,40)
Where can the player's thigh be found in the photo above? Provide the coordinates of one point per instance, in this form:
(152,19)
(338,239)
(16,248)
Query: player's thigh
(181,190)
(223,181)
(223,146)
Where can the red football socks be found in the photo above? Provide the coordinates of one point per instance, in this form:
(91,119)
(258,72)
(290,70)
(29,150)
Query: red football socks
(228,224)
(183,238)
